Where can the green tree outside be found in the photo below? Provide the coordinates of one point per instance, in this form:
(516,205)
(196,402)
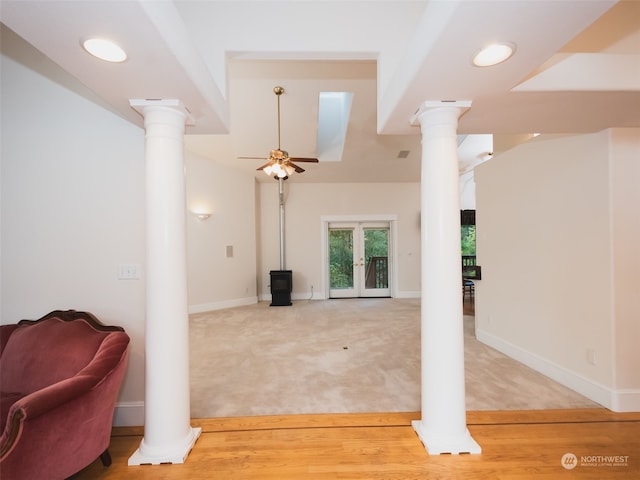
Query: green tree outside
(468,239)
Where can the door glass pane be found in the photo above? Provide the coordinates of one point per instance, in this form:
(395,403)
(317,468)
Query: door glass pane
(468,240)
(376,255)
(340,258)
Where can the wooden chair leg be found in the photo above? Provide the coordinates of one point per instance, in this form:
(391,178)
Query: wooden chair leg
(106,458)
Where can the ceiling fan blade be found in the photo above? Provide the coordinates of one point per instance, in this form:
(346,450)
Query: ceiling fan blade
(254,158)
(265,165)
(295,167)
(299,159)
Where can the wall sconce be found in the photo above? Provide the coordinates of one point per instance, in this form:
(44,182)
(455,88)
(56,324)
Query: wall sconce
(200,215)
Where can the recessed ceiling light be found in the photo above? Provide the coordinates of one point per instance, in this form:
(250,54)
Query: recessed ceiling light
(494,54)
(104,49)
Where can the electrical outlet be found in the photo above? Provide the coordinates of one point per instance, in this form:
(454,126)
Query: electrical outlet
(591,356)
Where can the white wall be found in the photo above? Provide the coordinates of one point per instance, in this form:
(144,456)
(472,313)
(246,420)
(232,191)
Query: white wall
(625,238)
(72,209)
(72,206)
(306,203)
(467,186)
(544,243)
(215,280)
(72,178)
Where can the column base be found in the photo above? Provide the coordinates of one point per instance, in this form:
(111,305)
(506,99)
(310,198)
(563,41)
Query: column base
(179,454)
(439,444)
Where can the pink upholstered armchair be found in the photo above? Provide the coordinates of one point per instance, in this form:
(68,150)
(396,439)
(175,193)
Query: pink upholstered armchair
(59,381)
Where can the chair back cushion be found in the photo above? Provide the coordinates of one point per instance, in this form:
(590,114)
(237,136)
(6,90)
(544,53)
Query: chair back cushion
(42,353)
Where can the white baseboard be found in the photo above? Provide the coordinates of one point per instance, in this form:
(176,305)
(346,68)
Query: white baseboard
(590,389)
(128,414)
(625,400)
(209,307)
(409,294)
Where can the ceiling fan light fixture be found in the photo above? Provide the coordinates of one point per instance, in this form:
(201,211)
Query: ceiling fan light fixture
(494,54)
(278,170)
(104,49)
(289,169)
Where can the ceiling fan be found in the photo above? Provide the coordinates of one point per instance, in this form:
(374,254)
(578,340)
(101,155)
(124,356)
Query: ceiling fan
(280,164)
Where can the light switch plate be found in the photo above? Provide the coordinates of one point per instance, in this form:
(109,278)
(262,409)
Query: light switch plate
(128,271)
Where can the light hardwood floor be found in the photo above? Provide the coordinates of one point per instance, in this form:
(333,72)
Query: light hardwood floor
(515,445)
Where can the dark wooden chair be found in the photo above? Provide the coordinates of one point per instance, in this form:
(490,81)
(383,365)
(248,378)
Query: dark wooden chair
(468,287)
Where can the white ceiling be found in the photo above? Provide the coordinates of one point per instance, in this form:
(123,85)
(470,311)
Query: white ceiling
(576,69)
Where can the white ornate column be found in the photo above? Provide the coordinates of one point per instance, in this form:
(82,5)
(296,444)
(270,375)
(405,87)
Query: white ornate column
(442,428)
(168,435)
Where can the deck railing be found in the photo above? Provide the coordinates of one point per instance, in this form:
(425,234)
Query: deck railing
(377,274)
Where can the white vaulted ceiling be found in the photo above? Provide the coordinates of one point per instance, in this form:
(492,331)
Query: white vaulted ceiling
(576,69)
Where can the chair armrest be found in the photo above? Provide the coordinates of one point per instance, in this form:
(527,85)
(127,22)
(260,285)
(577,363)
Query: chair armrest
(109,355)
(37,403)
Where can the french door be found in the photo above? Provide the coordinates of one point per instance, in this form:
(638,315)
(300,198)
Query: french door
(358,259)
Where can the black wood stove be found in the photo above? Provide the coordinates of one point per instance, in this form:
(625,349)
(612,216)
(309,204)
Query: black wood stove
(281,286)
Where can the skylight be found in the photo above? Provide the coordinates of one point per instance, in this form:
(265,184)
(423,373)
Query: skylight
(334,109)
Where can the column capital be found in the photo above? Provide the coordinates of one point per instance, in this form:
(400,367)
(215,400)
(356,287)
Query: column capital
(430,105)
(141,105)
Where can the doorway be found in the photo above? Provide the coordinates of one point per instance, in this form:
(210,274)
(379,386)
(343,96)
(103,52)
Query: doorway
(358,259)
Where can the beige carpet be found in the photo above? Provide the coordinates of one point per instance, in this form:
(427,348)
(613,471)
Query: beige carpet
(342,356)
